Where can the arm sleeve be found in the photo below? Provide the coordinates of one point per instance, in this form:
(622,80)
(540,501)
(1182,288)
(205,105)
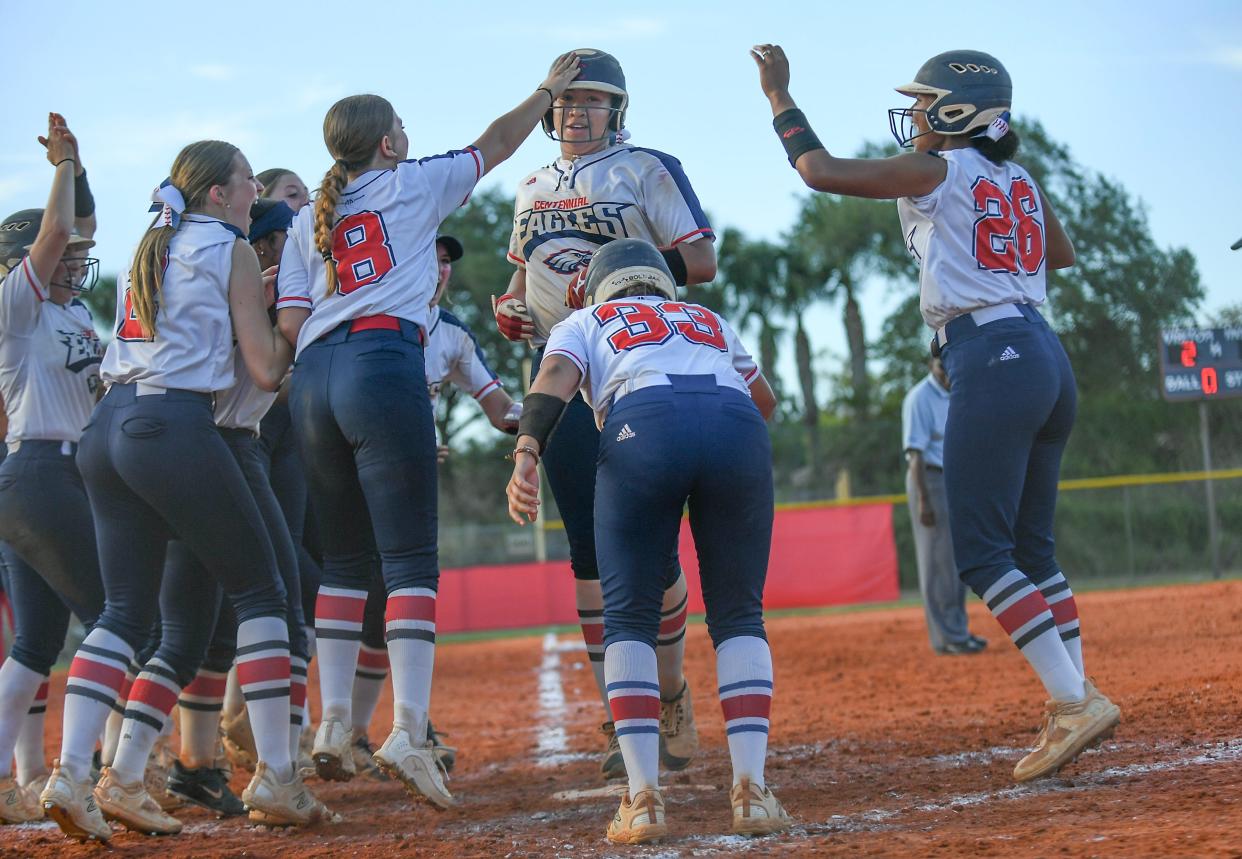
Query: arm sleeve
(451,177)
(468,368)
(293,281)
(742,360)
(670,203)
(21,296)
(567,339)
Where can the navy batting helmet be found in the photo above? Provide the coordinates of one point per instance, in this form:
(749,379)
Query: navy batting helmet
(18,232)
(970,89)
(628,267)
(598,71)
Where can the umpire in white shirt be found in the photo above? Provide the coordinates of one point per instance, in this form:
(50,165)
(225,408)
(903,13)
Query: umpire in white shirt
(924,413)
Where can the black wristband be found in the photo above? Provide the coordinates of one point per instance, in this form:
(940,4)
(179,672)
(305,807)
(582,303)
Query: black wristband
(83,199)
(676,264)
(795,134)
(540,415)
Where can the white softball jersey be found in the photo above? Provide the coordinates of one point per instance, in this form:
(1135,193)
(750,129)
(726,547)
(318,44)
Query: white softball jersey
(49,360)
(383,244)
(627,344)
(564,212)
(193,345)
(978,238)
(453,356)
(243,405)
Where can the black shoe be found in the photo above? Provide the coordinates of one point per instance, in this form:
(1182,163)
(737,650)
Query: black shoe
(206,788)
(447,755)
(979,641)
(961,648)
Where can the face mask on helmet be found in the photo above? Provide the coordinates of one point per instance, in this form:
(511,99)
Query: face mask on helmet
(969,89)
(77,272)
(601,72)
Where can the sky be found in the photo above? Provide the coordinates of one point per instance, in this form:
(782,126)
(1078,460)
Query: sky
(1145,95)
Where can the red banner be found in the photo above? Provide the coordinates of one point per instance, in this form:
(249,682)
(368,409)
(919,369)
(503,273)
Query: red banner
(821,556)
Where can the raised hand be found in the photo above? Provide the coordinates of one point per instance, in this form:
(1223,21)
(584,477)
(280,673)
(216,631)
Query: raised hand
(60,142)
(773,69)
(562,74)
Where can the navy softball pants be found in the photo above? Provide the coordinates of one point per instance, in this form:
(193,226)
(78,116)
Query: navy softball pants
(1012,401)
(49,549)
(569,464)
(364,424)
(288,482)
(662,449)
(193,624)
(156,469)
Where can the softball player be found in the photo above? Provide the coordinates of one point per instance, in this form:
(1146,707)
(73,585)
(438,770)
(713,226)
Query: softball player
(155,469)
(363,257)
(601,189)
(452,355)
(284,186)
(984,236)
(49,377)
(681,407)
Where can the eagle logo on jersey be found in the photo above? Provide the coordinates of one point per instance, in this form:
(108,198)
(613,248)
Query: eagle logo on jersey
(570,219)
(568,261)
(910,246)
(84,349)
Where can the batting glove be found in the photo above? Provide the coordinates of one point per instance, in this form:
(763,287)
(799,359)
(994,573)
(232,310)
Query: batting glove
(512,318)
(511,418)
(575,294)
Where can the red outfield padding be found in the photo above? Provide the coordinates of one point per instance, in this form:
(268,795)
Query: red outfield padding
(821,556)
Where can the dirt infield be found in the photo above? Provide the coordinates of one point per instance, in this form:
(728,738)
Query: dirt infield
(879,748)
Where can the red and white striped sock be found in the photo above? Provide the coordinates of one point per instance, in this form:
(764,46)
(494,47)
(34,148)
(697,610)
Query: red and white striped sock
(112,728)
(1023,613)
(634,698)
(338,634)
(1056,591)
(671,643)
(410,630)
(744,681)
(151,700)
(95,679)
(31,761)
(368,684)
(19,687)
(589,596)
(297,704)
(263,674)
(201,702)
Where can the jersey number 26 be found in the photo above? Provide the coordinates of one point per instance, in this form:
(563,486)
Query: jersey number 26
(1008,236)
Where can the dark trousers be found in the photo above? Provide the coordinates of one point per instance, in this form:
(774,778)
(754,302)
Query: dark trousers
(156,469)
(193,622)
(288,481)
(364,425)
(1012,403)
(49,549)
(690,444)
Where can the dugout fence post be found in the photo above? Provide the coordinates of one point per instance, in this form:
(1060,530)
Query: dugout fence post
(1205,440)
(541,518)
(1129,526)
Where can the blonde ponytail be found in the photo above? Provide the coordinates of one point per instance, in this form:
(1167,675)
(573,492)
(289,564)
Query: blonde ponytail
(352,131)
(197,168)
(334,181)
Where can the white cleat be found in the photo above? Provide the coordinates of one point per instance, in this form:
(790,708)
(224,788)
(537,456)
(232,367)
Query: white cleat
(417,767)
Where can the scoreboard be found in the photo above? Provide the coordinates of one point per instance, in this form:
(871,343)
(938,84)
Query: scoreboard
(1200,363)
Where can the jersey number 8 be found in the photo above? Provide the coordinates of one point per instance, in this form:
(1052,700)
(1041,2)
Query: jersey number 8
(1008,236)
(361,250)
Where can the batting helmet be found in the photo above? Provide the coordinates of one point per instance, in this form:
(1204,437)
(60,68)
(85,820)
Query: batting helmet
(18,232)
(598,71)
(628,267)
(970,89)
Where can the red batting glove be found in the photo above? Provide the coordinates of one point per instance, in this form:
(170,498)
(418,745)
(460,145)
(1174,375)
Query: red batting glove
(512,318)
(575,294)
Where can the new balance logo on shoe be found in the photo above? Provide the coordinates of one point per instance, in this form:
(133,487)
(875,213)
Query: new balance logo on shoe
(626,433)
(1009,354)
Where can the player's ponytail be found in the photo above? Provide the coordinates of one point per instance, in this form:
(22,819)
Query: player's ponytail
(198,168)
(352,131)
(997,151)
